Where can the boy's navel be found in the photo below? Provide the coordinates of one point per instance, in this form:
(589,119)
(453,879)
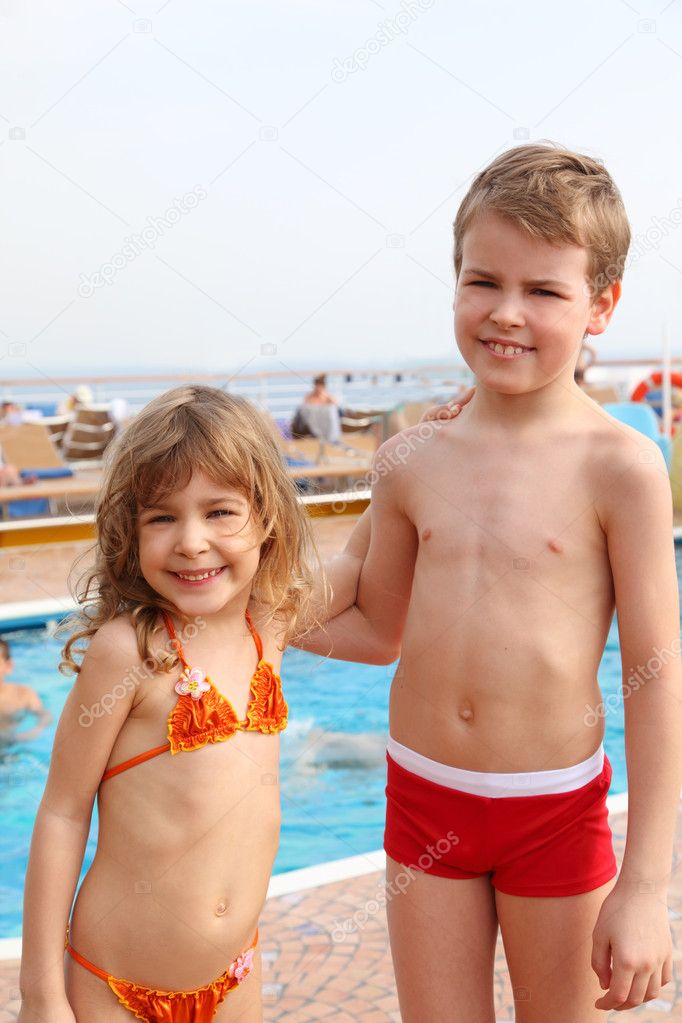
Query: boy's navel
(466,711)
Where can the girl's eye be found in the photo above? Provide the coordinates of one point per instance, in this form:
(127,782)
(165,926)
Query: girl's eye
(484,283)
(160,518)
(542,291)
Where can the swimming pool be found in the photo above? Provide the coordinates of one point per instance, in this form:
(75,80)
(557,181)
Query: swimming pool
(333,766)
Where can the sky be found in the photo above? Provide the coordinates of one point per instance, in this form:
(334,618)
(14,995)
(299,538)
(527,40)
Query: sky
(271,184)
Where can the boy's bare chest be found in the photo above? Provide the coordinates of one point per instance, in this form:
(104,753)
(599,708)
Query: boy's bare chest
(500,507)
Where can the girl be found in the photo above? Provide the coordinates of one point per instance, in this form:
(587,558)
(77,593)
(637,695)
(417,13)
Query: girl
(201,577)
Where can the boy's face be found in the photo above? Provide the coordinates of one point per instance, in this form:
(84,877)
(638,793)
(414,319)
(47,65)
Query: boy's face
(517,291)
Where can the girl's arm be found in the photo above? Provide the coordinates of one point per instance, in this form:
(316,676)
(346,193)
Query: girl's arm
(335,589)
(632,945)
(92,718)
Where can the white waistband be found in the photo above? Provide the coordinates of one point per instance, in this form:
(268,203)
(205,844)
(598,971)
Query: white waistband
(486,783)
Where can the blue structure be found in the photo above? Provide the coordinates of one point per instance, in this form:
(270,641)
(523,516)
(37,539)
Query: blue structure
(642,417)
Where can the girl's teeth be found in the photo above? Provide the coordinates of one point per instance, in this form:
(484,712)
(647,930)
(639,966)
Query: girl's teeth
(196,578)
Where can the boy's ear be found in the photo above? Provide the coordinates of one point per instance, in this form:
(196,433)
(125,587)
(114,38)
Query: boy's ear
(603,307)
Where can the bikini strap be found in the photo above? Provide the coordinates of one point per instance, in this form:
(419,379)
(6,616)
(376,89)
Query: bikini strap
(256,637)
(174,641)
(68,947)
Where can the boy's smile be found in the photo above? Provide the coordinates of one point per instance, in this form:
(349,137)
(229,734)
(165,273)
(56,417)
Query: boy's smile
(523,300)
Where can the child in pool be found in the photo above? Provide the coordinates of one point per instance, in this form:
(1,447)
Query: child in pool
(17,698)
(201,577)
(500,545)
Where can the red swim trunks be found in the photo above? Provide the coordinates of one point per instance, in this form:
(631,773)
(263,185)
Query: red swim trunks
(538,845)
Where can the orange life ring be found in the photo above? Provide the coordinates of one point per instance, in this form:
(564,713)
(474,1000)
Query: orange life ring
(653,383)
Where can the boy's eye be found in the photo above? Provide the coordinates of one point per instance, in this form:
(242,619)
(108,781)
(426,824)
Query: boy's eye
(223,512)
(491,284)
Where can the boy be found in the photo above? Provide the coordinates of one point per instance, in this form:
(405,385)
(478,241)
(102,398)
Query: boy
(500,545)
(16,698)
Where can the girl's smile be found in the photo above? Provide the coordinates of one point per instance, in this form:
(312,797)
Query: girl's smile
(201,542)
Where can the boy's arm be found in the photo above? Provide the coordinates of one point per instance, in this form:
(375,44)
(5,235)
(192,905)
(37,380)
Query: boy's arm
(81,750)
(371,630)
(636,514)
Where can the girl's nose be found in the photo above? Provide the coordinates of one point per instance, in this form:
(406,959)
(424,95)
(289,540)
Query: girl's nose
(191,540)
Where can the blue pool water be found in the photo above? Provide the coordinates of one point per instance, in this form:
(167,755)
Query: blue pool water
(333,767)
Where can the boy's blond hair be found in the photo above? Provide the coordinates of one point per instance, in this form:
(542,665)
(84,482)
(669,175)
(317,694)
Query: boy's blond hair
(189,428)
(554,194)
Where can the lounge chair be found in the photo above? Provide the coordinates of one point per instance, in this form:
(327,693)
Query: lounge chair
(88,434)
(31,449)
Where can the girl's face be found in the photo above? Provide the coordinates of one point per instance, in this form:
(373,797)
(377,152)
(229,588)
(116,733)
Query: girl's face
(200,547)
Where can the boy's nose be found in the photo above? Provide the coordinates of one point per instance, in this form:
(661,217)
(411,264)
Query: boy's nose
(507,313)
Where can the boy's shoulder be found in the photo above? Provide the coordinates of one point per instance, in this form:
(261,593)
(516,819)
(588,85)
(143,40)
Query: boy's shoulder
(621,443)
(406,448)
(20,695)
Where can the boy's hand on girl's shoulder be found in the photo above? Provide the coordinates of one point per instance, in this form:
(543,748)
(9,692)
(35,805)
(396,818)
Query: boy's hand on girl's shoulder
(631,948)
(449,410)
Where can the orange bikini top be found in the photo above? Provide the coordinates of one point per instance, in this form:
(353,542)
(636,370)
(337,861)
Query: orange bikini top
(202,714)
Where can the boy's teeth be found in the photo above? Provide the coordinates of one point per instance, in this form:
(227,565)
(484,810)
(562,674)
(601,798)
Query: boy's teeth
(203,575)
(502,350)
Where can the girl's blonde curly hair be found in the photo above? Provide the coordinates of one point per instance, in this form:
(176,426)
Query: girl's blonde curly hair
(189,428)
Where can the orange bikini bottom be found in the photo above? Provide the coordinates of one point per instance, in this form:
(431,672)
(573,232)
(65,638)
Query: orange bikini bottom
(154,1006)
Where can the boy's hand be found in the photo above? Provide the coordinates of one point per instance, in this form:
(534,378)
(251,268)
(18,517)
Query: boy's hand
(633,930)
(448,411)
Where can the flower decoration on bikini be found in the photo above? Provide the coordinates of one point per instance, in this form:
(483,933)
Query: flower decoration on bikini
(191,683)
(242,966)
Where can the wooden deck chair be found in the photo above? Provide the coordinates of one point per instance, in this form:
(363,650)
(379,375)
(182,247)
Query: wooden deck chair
(29,446)
(56,426)
(88,434)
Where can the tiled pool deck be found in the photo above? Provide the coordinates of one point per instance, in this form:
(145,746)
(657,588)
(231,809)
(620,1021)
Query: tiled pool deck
(307,976)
